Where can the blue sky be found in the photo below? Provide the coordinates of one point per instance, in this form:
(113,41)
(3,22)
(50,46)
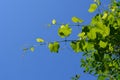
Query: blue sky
(21,22)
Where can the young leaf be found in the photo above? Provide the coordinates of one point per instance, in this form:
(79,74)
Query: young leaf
(92,8)
(105,15)
(103,44)
(89,46)
(106,31)
(64,31)
(77,20)
(82,35)
(53,21)
(54,47)
(39,40)
(50,46)
(92,34)
(32,49)
(75,46)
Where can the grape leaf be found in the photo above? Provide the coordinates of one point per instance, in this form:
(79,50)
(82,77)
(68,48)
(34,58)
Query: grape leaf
(92,8)
(39,40)
(103,44)
(53,21)
(64,31)
(54,47)
(77,20)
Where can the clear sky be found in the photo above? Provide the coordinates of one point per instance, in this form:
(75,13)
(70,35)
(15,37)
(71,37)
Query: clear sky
(21,22)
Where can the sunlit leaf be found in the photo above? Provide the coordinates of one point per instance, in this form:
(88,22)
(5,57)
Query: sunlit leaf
(39,40)
(106,31)
(54,47)
(75,46)
(51,46)
(96,19)
(111,18)
(92,34)
(89,46)
(81,35)
(105,15)
(64,31)
(77,20)
(100,25)
(53,21)
(32,49)
(92,8)
(103,44)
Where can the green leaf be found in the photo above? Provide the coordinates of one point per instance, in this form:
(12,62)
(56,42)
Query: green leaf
(103,44)
(118,20)
(32,49)
(111,18)
(81,35)
(92,8)
(92,34)
(51,47)
(106,31)
(118,76)
(64,31)
(39,40)
(110,47)
(110,64)
(75,46)
(53,21)
(105,15)
(54,47)
(89,46)
(116,64)
(77,20)
(101,78)
(102,29)
(96,19)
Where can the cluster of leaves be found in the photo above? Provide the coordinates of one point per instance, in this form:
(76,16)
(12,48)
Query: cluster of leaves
(100,41)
